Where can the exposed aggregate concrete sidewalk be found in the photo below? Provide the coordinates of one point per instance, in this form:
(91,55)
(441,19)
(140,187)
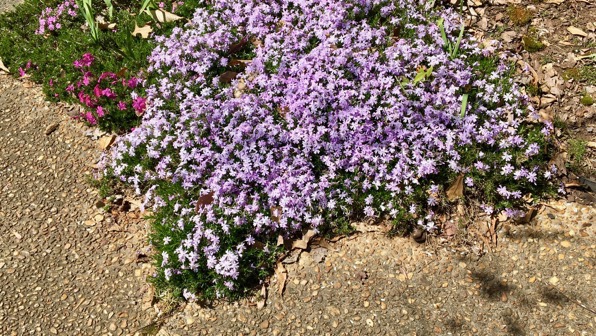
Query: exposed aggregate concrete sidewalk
(65,267)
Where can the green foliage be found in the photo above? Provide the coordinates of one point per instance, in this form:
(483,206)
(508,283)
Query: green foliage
(586,99)
(576,150)
(86,8)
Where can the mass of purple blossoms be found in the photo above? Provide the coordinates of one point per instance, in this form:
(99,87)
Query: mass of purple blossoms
(328,115)
(49,20)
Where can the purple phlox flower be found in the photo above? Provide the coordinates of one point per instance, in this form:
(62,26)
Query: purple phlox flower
(228,265)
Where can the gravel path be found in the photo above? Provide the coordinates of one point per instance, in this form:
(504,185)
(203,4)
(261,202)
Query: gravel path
(65,267)
(6,5)
(373,285)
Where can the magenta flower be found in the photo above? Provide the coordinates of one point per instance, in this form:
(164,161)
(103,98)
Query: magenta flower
(97,91)
(107,92)
(105,75)
(139,104)
(100,111)
(122,106)
(90,118)
(85,61)
(87,78)
(133,82)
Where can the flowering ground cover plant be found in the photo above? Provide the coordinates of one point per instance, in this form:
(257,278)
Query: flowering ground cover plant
(43,39)
(110,99)
(267,118)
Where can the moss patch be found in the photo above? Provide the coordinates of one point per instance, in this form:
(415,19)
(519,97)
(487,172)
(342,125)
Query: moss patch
(532,44)
(519,15)
(587,99)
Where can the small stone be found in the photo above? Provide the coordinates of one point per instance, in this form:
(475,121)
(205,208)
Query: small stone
(189,320)
(369,322)
(98,218)
(565,243)
(264,325)
(532,280)
(50,129)
(53,330)
(366,304)
(383,305)
(112,327)
(553,280)
(242,318)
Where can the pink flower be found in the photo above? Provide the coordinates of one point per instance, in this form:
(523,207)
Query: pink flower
(87,59)
(105,75)
(122,106)
(70,88)
(133,82)
(100,111)
(51,83)
(87,78)
(97,91)
(90,118)
(139,104)
(107,92)
(22,72)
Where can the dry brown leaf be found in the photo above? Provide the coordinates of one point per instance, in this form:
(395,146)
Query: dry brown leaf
(280,240)
(106,26)
(239,63)
(275,214)
(122,72)
(559,161)
(106,141)
(320,242)
(263,297)
(300,244)
(3,67)
(303,243)
(457,188)
(204,200)
(161,15)
(144,31)
(337,238)
(556,2)
(449,229)
(576,31)
(282,275)
(227,77)
(530,214)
